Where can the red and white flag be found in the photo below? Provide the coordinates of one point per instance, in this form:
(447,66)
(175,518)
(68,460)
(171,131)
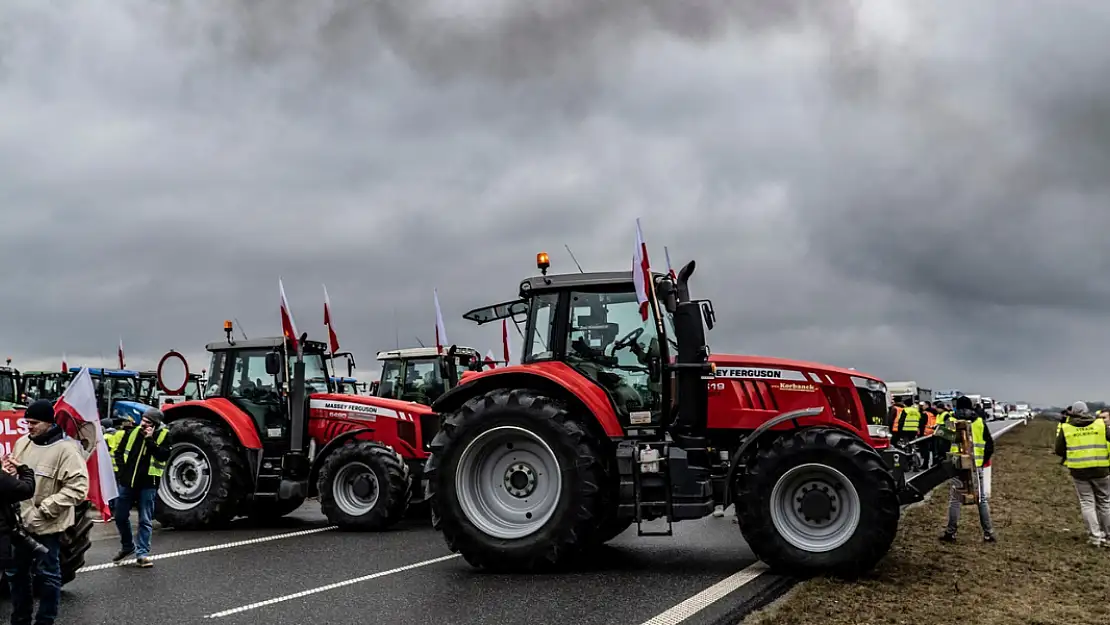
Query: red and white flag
(65,366)
(641,272)
(333,340)
(505,341)
(121,365)
(77,405)
(441,330)
(489,359)
(670,269)
(288,328)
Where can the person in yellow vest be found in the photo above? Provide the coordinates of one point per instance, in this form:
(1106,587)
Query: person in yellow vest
(1084,444)
(910,423)
(140,460)
(983,447)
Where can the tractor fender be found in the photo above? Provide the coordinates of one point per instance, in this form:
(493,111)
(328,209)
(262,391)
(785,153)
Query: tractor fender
(554,378)
(220,410)
(322,455)
(738,457)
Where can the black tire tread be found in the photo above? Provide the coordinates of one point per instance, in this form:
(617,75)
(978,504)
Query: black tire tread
(567,540)
(878,498)
(230,486)
(397,491)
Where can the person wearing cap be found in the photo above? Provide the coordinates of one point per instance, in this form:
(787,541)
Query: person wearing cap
(1083,441)
(140,460)
(982,450)
(61,482)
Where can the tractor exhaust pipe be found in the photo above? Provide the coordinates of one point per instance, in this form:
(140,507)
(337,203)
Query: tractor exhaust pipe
(683,283)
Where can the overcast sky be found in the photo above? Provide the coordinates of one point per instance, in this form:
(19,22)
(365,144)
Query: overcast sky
(918,190)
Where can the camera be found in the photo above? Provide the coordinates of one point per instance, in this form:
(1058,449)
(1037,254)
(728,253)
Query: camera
(23,540)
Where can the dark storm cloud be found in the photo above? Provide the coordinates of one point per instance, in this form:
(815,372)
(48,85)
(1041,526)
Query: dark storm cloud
(915,191)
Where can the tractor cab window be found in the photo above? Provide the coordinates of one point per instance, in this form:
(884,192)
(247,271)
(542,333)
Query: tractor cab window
(391,382)
(540,328)
(249,380)
(215,375)
(611,343)
(315,375)
(7,389)
(192,389)
(148,388)
(424,381)
(124,388)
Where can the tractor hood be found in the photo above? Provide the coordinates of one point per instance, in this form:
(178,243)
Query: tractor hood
(352,403)
(771,368)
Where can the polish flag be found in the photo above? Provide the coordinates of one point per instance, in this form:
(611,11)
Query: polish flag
(121,365)
(441,330)
(489,359)
(76,413)
(670,269)
(505,340)
(288,328)
(641,272)
(333,340)
(65,366)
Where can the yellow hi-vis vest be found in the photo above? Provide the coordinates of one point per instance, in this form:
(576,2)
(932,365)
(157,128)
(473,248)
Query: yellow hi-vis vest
(913,419)
(942,417)
(113,441)
(1087,446)
(156,466)
(978,440)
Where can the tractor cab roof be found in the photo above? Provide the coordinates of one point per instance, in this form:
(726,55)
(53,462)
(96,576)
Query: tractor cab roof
(311,347)
(38,373)
(109,373)
(424,352)
(336,380)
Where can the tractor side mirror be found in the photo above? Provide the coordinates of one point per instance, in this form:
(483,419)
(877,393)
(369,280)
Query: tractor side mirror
(708,314)
(273,363)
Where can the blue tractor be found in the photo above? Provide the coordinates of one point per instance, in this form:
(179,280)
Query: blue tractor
(117,393)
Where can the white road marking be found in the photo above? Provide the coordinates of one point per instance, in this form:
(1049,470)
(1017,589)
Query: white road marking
(189,552)
(312,591)
(1002,431)
(705,598)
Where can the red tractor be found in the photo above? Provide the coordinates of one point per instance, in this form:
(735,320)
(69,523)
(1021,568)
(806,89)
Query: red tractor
(247,449)
(615,419)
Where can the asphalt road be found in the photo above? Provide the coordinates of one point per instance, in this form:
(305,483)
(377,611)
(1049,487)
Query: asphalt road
(300,571)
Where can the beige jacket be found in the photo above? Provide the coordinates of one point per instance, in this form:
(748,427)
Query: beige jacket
(61,482)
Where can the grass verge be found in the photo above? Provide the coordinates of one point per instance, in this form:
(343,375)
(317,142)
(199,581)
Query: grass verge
(1041,572)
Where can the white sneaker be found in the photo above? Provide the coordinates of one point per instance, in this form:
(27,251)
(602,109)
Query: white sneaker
(719,511)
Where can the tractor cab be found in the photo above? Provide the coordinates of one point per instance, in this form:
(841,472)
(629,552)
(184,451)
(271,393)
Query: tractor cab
(149,393)
(117,392)
(422,374)
(44,385)
(10,391)
(348,386)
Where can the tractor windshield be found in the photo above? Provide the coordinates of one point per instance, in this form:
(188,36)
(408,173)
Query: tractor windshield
(315,375)
(125,388)
(419,379)
(7,388)
(192,389)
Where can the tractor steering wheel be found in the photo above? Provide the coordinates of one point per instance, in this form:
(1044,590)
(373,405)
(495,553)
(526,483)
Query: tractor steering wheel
(628,340)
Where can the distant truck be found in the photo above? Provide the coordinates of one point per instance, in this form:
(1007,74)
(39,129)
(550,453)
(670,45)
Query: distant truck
(1020,411)
(947,395)
(908,392)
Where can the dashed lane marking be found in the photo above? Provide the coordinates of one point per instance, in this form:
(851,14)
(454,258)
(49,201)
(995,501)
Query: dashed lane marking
(705,598)
(313,591)
(189,552)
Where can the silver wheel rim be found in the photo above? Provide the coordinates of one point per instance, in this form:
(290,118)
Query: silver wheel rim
(187,478)
(348,481)
(815,488)
(508,482)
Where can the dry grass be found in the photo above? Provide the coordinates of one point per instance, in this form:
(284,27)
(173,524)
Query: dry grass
(1041,572)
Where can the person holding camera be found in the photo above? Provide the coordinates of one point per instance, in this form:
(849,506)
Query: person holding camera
(17,483)
(140,459)
(61,482)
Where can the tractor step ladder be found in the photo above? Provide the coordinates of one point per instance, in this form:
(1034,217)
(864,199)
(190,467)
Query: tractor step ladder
(637,486)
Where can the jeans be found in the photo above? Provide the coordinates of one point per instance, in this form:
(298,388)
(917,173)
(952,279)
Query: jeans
(955,503)
(122,512)
(1094,504)
(49,571)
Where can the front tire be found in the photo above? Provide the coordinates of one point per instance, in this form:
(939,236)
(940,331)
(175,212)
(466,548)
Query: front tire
(364,486)
(818,501)
(513,483)
(206,477)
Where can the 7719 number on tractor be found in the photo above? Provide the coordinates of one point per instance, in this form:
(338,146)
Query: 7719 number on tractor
(612,421)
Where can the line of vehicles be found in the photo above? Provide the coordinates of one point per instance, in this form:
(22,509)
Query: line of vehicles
(619,415)
(911,391)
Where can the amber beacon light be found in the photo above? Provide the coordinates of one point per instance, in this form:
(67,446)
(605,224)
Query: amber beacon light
(543,262)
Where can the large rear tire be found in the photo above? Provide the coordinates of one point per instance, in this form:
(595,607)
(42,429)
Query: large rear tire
(364,486)
(818,501)
(513,483)
(206,477)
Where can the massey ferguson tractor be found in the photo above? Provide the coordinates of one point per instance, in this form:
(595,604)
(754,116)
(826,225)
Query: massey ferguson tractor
(270,432)
(619,416)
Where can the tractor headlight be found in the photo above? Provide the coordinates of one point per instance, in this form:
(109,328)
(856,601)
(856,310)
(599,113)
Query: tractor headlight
(878,431)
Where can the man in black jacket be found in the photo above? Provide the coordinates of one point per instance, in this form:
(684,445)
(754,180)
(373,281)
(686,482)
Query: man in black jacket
(140,459)
(17,483)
